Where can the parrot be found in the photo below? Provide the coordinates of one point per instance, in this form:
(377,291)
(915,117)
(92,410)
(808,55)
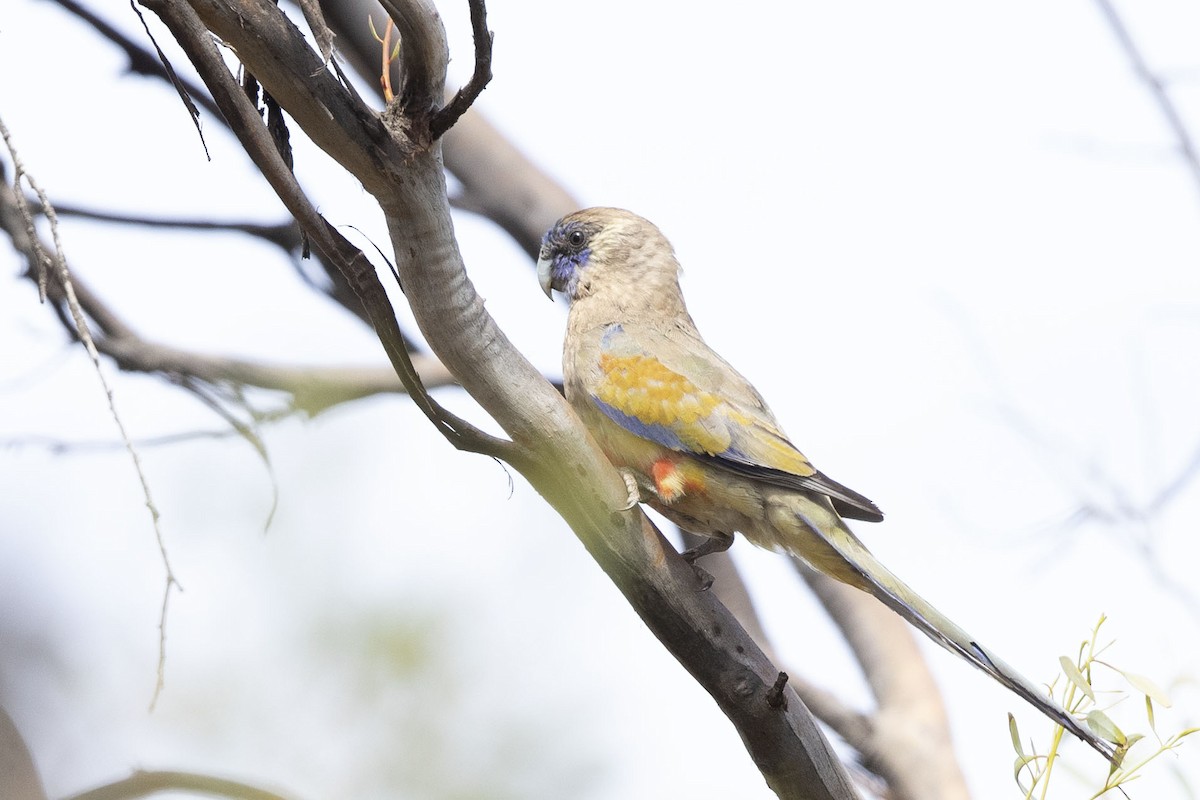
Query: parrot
(696,442)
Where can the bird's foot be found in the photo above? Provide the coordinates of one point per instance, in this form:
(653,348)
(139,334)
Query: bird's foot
(713,543)
(635,491)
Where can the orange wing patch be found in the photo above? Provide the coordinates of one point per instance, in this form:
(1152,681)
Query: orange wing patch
(642,388)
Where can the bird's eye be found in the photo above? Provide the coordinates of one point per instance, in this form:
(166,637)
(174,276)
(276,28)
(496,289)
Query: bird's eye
(576,238)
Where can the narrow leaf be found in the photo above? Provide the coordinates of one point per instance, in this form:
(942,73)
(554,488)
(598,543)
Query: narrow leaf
(1016,737)
(1104,727)
(1076,677)
(1148,688)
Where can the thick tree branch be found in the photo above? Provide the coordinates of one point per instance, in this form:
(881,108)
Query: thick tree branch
(853,726)
(551,447)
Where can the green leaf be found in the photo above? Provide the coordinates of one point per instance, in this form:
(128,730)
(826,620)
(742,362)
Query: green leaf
(1016,738)
(1174,740)
(1150,714)
(1076,677)
(1104,727)
(1148,688)
(1026,764)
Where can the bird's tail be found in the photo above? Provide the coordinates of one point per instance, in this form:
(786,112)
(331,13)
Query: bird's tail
(812,531)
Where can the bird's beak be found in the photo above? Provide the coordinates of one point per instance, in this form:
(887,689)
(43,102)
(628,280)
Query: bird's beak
(543,273)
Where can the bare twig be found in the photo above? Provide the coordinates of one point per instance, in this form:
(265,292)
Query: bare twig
(62,274)
(387,54)
(60,446)
(444,119)
(423,58)
(1168,493)
(174,80)
(141,61)
(284,235)
(313,388)
(1183,137)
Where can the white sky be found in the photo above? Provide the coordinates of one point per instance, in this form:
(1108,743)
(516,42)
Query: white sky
(950,244)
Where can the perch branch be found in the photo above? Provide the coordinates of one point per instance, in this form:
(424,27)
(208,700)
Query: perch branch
(549,445)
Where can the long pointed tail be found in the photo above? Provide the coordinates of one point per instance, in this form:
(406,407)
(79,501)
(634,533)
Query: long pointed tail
(811,530)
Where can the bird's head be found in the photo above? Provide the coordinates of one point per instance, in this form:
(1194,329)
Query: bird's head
(606,250)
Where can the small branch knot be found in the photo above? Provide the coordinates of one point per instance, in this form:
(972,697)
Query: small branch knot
(775,698)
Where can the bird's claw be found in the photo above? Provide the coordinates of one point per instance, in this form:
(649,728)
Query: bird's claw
(715,543)
(635,492)
(704,577)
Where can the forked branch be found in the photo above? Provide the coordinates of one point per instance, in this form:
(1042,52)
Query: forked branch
(444,119)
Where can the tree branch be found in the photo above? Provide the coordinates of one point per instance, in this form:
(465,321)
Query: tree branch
(444,119)
(192,35)
(313,388)
(141,60)
(1183,137)
(499,181)
(423,60)
(145,783)
(284,235)
(853,726)
(549,446)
